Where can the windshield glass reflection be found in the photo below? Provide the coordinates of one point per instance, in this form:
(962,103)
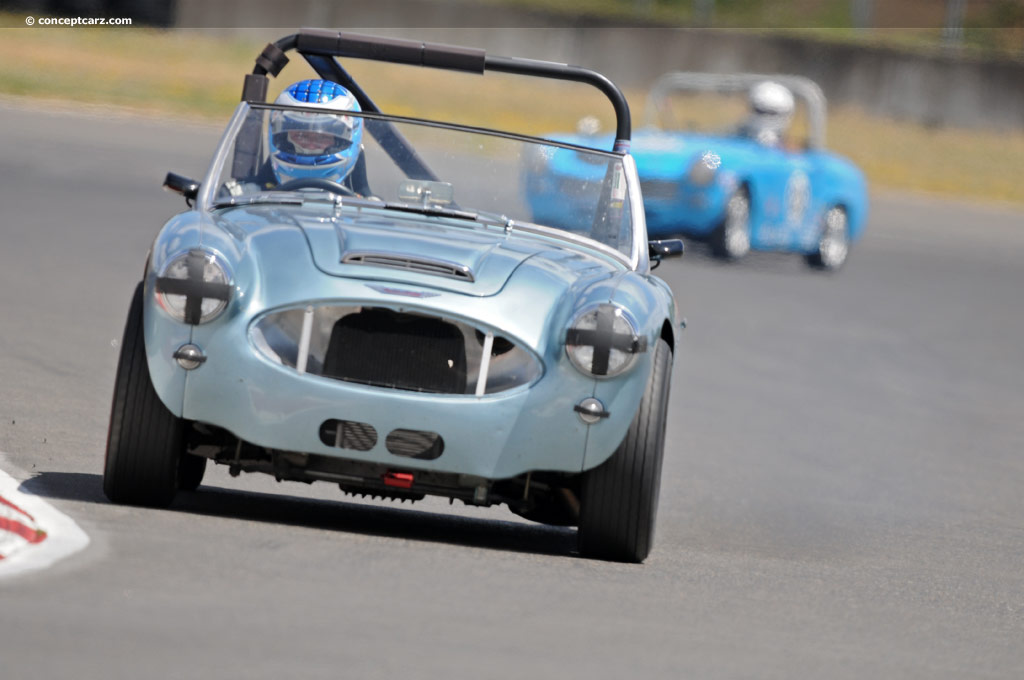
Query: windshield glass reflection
(419,166)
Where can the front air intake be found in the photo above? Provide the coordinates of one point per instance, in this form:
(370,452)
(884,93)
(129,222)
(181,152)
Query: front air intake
(403,350)
(348,434)
(415,444)
(384,348)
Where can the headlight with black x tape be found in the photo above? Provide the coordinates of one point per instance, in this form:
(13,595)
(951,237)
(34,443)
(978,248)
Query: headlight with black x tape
(704,169)
(194,287)
(603,341)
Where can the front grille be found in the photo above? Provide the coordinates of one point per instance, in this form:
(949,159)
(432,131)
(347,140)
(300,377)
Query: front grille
(423,266)
(390,349)
(383,347)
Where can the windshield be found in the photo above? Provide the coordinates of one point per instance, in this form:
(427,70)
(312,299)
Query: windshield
(272,155)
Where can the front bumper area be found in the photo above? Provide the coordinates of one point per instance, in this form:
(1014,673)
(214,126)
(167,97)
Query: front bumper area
(493,437)
(270,405)
(266,404)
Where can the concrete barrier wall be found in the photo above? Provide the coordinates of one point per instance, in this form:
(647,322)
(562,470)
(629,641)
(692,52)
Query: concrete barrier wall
(939,90)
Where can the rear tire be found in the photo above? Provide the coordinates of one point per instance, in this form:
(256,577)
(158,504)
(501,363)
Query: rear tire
(619,500)
(731,240)
(145,440)
(833,242)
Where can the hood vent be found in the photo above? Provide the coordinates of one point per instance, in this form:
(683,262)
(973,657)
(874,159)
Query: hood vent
(413,264)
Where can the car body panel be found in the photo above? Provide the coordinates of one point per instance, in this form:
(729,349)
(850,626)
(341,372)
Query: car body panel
(495,436)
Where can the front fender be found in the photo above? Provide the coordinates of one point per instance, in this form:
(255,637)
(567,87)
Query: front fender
(649,301)
(164,334)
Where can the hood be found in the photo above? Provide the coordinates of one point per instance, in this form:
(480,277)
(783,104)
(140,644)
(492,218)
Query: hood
(429,251)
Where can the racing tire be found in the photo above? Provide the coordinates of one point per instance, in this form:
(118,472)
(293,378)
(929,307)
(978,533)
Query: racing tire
(190,472)
(619,498)
(144,440)
(731,240)
(833,242)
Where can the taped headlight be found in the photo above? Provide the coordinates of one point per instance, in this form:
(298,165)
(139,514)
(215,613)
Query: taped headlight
(703,169)
(194,287)
(603,341)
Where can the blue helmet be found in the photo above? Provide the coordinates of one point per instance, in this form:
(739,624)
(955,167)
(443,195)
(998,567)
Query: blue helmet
(319,145)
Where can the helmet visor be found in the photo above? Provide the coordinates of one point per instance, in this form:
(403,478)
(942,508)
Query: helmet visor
(311,134)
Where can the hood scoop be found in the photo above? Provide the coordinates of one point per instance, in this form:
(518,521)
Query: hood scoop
(419,265)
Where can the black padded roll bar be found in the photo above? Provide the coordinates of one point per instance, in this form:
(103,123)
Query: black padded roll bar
(312,43)
(340,44)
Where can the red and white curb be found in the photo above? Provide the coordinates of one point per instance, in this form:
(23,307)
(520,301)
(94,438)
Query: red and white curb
(33,534)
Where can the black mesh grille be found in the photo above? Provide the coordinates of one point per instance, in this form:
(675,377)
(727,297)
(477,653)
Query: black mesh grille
(415,444)
(404,351)
(348,434)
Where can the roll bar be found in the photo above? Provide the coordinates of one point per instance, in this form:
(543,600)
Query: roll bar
(689,81)
(320,47)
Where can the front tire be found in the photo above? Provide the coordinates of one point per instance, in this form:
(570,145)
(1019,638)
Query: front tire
(190,472)
(145,440)
(619,500)
(833,242)
(731,240)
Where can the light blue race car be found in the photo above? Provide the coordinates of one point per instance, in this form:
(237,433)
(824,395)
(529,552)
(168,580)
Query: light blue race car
(367,300)
(739,190)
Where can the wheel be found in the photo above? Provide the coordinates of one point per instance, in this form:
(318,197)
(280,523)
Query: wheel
(731,240)
(619,498)
(145,440)
(190,472)
(833,243)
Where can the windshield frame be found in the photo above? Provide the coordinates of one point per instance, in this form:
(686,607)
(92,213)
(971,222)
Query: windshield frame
(637,259)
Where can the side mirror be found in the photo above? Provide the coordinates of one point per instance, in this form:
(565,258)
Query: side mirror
(670,247)
(189,188)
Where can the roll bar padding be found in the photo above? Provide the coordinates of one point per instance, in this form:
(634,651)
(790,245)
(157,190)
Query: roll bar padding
(327,43)
(398,51)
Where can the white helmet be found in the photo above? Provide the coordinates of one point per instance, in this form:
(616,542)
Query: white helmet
(771,108)
(771,99)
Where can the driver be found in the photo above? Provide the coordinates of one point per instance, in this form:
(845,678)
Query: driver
(771,110)
(305,145)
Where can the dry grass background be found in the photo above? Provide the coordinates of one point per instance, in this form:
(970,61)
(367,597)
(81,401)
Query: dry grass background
(198,74)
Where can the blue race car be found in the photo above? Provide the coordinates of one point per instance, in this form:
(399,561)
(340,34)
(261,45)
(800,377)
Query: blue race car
(365,299)
(739,190)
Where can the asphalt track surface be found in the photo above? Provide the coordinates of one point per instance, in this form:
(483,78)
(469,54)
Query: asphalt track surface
(843,494)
